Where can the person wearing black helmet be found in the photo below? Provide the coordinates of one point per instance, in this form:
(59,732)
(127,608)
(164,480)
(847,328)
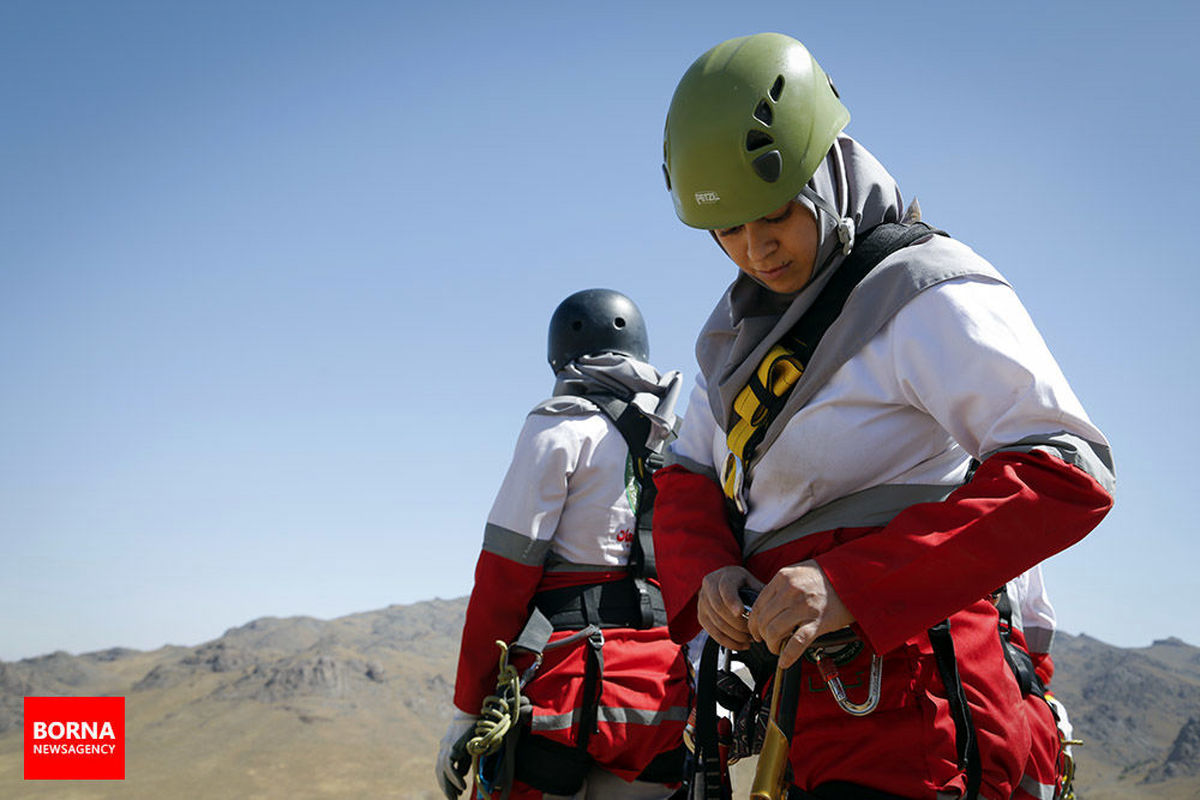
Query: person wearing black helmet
(608,694)
(878,439)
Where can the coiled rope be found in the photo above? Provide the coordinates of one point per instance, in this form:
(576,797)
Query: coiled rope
(498,714)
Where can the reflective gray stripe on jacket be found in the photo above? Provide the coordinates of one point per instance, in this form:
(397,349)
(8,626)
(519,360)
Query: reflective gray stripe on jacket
(1037,789)
(1040,640)
(872,507)
(878,505)
(1094,459)
(612,716)
(690,465)
(556,563)
(514,546)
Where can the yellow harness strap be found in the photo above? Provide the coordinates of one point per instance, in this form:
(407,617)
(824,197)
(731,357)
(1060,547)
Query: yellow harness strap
(778,372)
(765,394)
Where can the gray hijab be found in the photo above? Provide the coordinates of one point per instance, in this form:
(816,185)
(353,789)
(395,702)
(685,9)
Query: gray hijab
(623,377)
(851,191)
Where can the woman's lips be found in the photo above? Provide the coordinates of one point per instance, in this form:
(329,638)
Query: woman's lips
(774,272)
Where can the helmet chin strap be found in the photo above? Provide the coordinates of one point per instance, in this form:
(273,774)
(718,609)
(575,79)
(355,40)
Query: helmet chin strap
(844,224)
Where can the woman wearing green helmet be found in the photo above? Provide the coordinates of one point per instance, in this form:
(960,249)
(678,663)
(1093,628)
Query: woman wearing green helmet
(878,439)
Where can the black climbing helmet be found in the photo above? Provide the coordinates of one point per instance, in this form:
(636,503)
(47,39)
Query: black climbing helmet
(596,321)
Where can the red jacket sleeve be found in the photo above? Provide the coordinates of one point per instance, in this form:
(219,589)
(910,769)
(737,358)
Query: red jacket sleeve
(691,539)
(934,559)
(1043,665)
(498,610)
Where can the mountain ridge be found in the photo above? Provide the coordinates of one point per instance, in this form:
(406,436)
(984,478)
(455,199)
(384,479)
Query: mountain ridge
(354,706)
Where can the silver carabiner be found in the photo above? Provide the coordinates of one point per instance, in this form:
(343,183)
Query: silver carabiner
(829,673)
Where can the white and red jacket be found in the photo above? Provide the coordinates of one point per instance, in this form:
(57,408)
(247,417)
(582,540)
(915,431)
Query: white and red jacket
(1033,615)
(562,518)
(866,477)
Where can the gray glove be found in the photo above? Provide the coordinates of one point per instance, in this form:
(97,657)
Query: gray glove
(453,762)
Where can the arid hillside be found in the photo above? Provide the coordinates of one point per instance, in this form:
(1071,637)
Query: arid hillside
(354,707)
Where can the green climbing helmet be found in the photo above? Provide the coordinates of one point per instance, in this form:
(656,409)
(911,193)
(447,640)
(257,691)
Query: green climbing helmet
(750,122)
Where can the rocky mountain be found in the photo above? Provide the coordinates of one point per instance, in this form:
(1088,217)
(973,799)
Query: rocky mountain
(354,707)
(1135,710)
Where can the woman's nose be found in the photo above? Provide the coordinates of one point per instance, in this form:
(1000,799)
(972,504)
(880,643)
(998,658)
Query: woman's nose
(760,241)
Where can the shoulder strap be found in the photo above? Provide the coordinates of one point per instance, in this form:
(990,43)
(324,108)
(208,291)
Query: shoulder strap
(878,243)
(767,391)
(1019,660)
(634,428)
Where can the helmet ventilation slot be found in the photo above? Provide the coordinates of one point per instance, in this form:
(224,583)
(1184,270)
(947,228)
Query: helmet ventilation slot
(763,113)
(757,139)
(769,166)
(777,89)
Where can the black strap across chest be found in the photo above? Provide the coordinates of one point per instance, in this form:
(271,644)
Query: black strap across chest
(802,339)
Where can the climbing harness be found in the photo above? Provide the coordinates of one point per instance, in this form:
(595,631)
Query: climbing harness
(1021,664)
(501,748)
(758,404)
(759,727)
(502,713)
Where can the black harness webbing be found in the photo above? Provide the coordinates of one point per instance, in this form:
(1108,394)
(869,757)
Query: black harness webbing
(1018,659)
(633,602)
(714,780)
(964,729)
(614,604)
(634,428)
(802,339)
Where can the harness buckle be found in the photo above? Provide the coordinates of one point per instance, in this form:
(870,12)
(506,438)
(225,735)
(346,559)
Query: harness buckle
(845,232)
(733,478)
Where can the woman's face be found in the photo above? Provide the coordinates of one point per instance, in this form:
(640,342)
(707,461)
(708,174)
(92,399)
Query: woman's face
(777,250)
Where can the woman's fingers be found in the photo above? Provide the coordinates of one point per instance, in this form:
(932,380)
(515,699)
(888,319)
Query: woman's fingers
(719,609)
(796,606)
(795,645)
(728,636)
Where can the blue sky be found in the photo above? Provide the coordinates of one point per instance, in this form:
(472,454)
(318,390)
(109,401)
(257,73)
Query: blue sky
(275,276)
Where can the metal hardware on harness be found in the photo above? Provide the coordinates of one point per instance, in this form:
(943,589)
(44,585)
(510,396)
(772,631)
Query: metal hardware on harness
(529,672)
(1066,767)
(829,672)
(733,476)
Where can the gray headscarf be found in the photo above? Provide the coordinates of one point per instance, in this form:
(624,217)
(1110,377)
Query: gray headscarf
(851,191)
(623,377)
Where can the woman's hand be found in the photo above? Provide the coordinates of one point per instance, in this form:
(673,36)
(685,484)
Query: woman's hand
(720,610)
(797,606)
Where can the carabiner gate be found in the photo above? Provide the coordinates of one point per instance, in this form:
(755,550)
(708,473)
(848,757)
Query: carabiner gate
(829,673)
